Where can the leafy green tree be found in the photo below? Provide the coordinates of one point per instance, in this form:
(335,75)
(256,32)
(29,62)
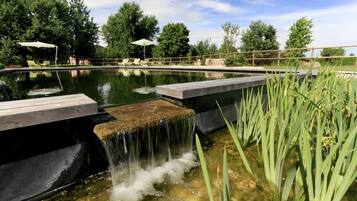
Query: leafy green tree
(173,41)
(14,23)
(127,25)
(299,37)
(100,52)
(259,36)
(49,23)
(84,31)
(331,52)
(231,32)
(203,47)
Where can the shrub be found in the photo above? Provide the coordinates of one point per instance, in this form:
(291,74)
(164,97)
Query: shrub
(2,66)
(238,60)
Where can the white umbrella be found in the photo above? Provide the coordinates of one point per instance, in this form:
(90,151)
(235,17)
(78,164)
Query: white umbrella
(38,44)
(143,42)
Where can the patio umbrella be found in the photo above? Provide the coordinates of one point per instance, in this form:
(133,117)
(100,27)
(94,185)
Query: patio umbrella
(143,42)
(38,44)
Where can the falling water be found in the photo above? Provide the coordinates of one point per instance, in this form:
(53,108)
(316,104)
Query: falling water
(139,160)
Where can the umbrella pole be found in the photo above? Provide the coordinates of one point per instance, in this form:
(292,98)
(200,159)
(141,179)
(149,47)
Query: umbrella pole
(56,56)
(58,77)
(144,52)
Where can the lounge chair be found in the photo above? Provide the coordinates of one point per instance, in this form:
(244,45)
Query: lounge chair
(146,62)
(32,64)
(46,63)
(136,62)
(125,62)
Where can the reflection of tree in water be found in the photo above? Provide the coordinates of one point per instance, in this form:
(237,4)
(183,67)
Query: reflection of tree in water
(13,86)
(106,87)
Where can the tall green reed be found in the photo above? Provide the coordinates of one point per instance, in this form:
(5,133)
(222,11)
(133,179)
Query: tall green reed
(311,122)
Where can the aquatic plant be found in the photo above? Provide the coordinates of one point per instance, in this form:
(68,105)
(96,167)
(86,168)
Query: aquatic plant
(224,194)
(305,130)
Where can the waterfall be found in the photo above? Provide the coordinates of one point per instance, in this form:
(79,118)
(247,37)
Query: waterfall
(140,159)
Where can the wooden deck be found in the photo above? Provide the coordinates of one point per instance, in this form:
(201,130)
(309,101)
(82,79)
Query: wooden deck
(29,112)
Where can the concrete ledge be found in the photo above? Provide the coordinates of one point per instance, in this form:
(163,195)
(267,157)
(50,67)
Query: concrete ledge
(195,89)
(22,113)
(203,88)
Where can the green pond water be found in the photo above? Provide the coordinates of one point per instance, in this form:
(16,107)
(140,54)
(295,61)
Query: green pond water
(107,87)
(192,186)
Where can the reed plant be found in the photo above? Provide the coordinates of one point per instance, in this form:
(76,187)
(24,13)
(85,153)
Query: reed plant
(306,131)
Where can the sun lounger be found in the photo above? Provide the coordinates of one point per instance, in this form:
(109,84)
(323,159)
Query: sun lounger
(136,62)
(46,63)
(125,62)
(146,62)
(32,64)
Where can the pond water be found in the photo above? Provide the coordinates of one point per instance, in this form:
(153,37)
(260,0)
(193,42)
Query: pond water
(192,187)
(107,87)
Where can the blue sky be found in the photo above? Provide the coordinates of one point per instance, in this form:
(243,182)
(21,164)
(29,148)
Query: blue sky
(335,21)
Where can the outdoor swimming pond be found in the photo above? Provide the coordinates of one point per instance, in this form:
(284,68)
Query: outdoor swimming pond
(107,87)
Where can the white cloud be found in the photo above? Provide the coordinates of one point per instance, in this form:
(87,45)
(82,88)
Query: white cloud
(332,26)
(259,2)
(218,6)
(102,3)
(215,35)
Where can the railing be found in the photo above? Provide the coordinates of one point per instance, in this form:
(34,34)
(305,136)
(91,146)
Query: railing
(276,58)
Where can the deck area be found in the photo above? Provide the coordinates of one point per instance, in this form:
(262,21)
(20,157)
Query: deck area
(29,112)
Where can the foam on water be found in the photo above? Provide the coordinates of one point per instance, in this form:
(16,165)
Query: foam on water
(143,181)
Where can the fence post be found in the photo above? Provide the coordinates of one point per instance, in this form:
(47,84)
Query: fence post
(279,58)
(312,56)
(253,62)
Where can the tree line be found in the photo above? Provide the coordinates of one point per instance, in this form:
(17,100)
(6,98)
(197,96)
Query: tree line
(68,24)
(130,24)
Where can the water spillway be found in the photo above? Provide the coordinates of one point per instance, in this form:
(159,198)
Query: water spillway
(146,144)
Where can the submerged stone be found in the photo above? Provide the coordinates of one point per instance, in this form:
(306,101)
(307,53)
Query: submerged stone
(133,117)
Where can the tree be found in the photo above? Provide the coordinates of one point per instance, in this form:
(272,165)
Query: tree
(259,36)
(14,23)
(47,21)
(331,52)
(299,37)
(231,32)
(203,47)
(127,25)
(84,31)
(173,41)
